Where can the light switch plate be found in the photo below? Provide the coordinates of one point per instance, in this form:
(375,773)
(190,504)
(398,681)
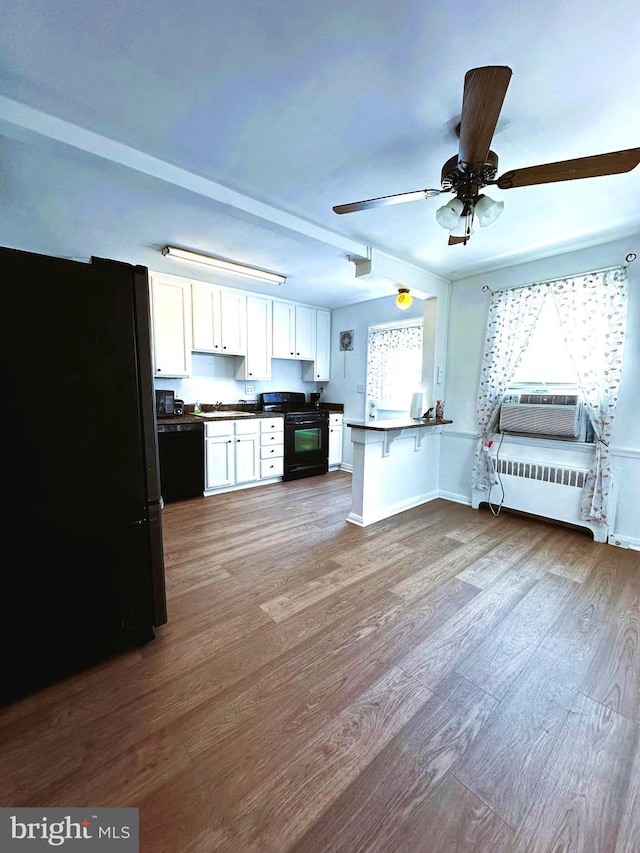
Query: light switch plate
(360,388)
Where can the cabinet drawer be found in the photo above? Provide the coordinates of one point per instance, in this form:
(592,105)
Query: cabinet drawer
(246,426)
(271,424)
(212,428)
(271,468)
(272,451)
(335,418)
(268,438)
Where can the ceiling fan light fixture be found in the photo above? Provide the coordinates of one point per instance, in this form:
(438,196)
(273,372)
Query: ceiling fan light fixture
(464,226)
(404,298)
(448,215)
(487,210)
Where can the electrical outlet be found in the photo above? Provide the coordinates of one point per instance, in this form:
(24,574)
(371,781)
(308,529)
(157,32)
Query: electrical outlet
(360,388)
(248,389)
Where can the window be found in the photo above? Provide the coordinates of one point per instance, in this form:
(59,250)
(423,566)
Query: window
(394,363)
(546,359)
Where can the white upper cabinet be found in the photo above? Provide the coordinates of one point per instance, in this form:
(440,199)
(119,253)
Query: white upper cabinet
(294,330)
(219,318)
(323,346)
(209,318)
(305,332)
(257,364)
(171,326)
(320,369)
(284,329)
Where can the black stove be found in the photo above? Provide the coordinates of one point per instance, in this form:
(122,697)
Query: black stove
(306,433)
(286,402)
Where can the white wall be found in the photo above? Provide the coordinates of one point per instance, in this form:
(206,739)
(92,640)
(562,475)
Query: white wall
(467,323)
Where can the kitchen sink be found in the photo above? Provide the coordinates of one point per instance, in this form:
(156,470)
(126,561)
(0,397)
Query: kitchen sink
(224,414)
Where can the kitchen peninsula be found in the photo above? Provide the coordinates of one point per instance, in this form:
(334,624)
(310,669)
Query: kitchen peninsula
(395,466)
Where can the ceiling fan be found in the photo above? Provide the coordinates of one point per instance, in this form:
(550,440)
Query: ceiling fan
(475,166)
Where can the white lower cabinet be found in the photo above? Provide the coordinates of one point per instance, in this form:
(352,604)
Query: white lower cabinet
(231,453)
(241,453)
(335,440)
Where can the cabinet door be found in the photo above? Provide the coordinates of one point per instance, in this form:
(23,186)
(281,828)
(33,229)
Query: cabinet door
(257,364)
(171,326)
(335,445)
(320,369)
(284,329)
(247,453)
(305,333)
(219,459)
(205,318)
(233,322)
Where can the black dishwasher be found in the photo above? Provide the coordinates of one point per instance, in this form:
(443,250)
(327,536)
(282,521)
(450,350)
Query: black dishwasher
(181,454)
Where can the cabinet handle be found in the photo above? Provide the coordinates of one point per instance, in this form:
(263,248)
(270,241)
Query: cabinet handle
(223,347)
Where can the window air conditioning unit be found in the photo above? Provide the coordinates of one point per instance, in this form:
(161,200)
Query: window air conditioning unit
(544,414)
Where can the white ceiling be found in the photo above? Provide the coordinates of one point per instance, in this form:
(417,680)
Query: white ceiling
(233,126)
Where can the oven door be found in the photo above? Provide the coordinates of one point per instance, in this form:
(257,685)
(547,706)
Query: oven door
(306,445)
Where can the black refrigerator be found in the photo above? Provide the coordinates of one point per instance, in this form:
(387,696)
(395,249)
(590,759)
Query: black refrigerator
(82,576)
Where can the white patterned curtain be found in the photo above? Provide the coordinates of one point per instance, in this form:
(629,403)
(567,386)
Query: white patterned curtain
(512,317)
(592,310)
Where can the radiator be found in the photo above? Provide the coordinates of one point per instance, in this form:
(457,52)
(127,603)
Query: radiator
(541,488)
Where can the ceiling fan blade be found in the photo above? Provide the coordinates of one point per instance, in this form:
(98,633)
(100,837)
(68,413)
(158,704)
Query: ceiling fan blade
(570,170)
(453,241)
(398,198)
(484,91)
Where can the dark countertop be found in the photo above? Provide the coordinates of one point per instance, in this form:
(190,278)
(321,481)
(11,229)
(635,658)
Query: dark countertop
(190,418)
(396,423)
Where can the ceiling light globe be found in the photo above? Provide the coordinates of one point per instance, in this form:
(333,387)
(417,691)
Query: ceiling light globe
(404,299)
(463,228)
(448,215)
(487,210)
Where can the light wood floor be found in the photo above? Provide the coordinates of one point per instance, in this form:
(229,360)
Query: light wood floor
(445,680)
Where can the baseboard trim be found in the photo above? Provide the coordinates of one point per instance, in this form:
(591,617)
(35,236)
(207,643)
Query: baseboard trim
(388,512)
(455,498)
(624,541)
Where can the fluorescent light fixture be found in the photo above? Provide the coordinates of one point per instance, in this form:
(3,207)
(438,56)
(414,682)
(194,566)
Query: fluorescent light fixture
(218,263)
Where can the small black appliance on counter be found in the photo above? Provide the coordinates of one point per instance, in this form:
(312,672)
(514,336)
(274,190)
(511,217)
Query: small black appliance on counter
(168,405)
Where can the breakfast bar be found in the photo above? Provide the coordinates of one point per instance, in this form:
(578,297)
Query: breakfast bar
(395,466)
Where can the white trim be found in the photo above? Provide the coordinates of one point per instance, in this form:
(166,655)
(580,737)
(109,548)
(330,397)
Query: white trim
(454,497)
(628,452)
(624,541)
(394,509)
(456,433)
